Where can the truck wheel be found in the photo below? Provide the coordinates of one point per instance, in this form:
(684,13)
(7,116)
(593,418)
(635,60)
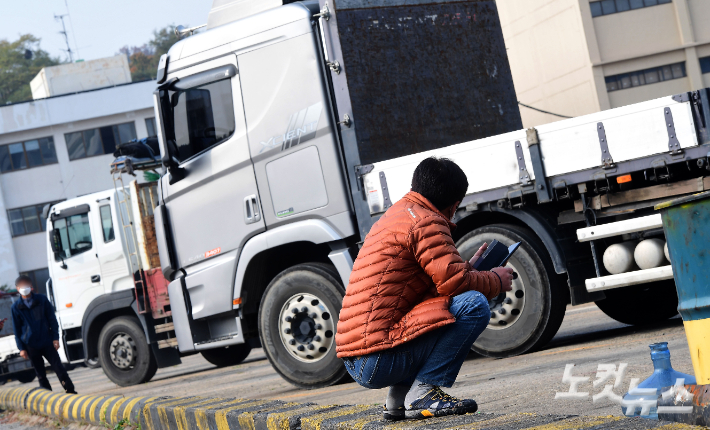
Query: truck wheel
(297,324)
(124,353)
(26,376)
(227,356)
(641,304)
(533,311)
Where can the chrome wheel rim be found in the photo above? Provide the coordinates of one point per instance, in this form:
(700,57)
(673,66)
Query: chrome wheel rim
(507,313)
(122,351)
(306,327)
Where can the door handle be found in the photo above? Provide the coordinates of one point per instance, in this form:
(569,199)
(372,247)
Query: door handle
(96,278)
(251,209)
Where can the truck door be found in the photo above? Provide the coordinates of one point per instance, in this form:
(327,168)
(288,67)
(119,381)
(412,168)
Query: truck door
(76,265)
(214,207)
(115,274)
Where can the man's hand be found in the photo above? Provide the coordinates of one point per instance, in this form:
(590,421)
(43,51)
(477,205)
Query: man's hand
(478,254)
(506,277)
(56,344)
(24,355)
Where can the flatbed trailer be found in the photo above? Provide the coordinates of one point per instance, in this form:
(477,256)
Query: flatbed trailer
(591,180)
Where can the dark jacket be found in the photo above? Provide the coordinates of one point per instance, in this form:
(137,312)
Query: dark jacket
(403,279)
(35,327)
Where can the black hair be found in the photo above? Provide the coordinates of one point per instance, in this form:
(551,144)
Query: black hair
(441,181)
(24,279)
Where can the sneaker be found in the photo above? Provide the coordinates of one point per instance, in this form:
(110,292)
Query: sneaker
(394,415)
(436,403)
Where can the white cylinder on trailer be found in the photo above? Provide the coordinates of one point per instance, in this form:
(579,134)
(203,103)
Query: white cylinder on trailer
(619,258)
(665,251)
(649,253)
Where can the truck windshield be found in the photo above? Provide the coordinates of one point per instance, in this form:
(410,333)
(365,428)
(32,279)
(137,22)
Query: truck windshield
(201,118)
(75,235)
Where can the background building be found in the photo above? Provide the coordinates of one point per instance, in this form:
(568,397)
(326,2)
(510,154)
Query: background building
(575,57)
(60,147)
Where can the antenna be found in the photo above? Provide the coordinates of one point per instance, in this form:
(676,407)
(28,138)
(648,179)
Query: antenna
(66,37)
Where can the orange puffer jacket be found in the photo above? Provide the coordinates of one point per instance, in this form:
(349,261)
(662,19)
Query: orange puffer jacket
(403,280)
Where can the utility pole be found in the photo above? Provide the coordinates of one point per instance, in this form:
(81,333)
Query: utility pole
(66,37)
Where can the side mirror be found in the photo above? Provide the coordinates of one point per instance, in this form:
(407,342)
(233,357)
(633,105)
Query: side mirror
(176,172)
(55,241)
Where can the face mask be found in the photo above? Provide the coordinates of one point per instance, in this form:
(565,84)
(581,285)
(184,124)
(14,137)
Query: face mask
(25,291)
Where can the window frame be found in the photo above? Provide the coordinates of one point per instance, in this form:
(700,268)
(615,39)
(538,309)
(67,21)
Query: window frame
(596,7)
(155,127)
(189,81)
(97,130)
(38,209)
(704,65)
(638,77)
(101,219)
(172,93)
(26,157)
(66,220)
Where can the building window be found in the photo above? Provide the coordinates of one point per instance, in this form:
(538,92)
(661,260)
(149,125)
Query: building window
(32,153)
(98,141)
(27,220)
(607,7)
(705,65)
(150,126)
(39,279)
(645,77)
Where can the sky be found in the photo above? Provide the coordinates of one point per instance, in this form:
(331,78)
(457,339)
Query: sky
(97,28)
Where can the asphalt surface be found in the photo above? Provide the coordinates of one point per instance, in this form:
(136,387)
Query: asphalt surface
(526,383)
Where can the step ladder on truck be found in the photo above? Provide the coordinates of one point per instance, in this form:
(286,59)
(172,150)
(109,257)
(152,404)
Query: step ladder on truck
(274,175)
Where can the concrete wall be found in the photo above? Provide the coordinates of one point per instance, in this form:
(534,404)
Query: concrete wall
(699,13)
(549,58)
(637,33)
(66,179)
(8,262)
(76,107)
(560,55)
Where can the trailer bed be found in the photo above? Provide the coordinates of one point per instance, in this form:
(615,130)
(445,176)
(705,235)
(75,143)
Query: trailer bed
(649,135)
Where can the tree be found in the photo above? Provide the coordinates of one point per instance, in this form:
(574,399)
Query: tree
(20,61)
(143,60)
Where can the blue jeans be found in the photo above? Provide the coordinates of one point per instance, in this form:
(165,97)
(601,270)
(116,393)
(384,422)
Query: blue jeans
(433,358)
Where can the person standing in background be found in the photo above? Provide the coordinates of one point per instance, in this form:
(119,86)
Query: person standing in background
(37,334)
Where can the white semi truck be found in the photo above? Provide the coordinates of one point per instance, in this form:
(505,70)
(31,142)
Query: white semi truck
(286,130)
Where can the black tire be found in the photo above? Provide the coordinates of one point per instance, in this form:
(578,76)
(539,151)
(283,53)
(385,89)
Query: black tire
(141,368)
(311,279)
(228,355)
(92,363)
(544,296)
(641,304)
(26,377)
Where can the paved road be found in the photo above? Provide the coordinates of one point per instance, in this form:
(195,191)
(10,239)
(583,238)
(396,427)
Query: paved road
(526,383)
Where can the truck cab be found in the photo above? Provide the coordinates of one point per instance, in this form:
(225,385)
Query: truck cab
(88,262)
(255,187)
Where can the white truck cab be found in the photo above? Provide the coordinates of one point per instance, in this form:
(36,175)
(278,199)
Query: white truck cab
(89,263)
